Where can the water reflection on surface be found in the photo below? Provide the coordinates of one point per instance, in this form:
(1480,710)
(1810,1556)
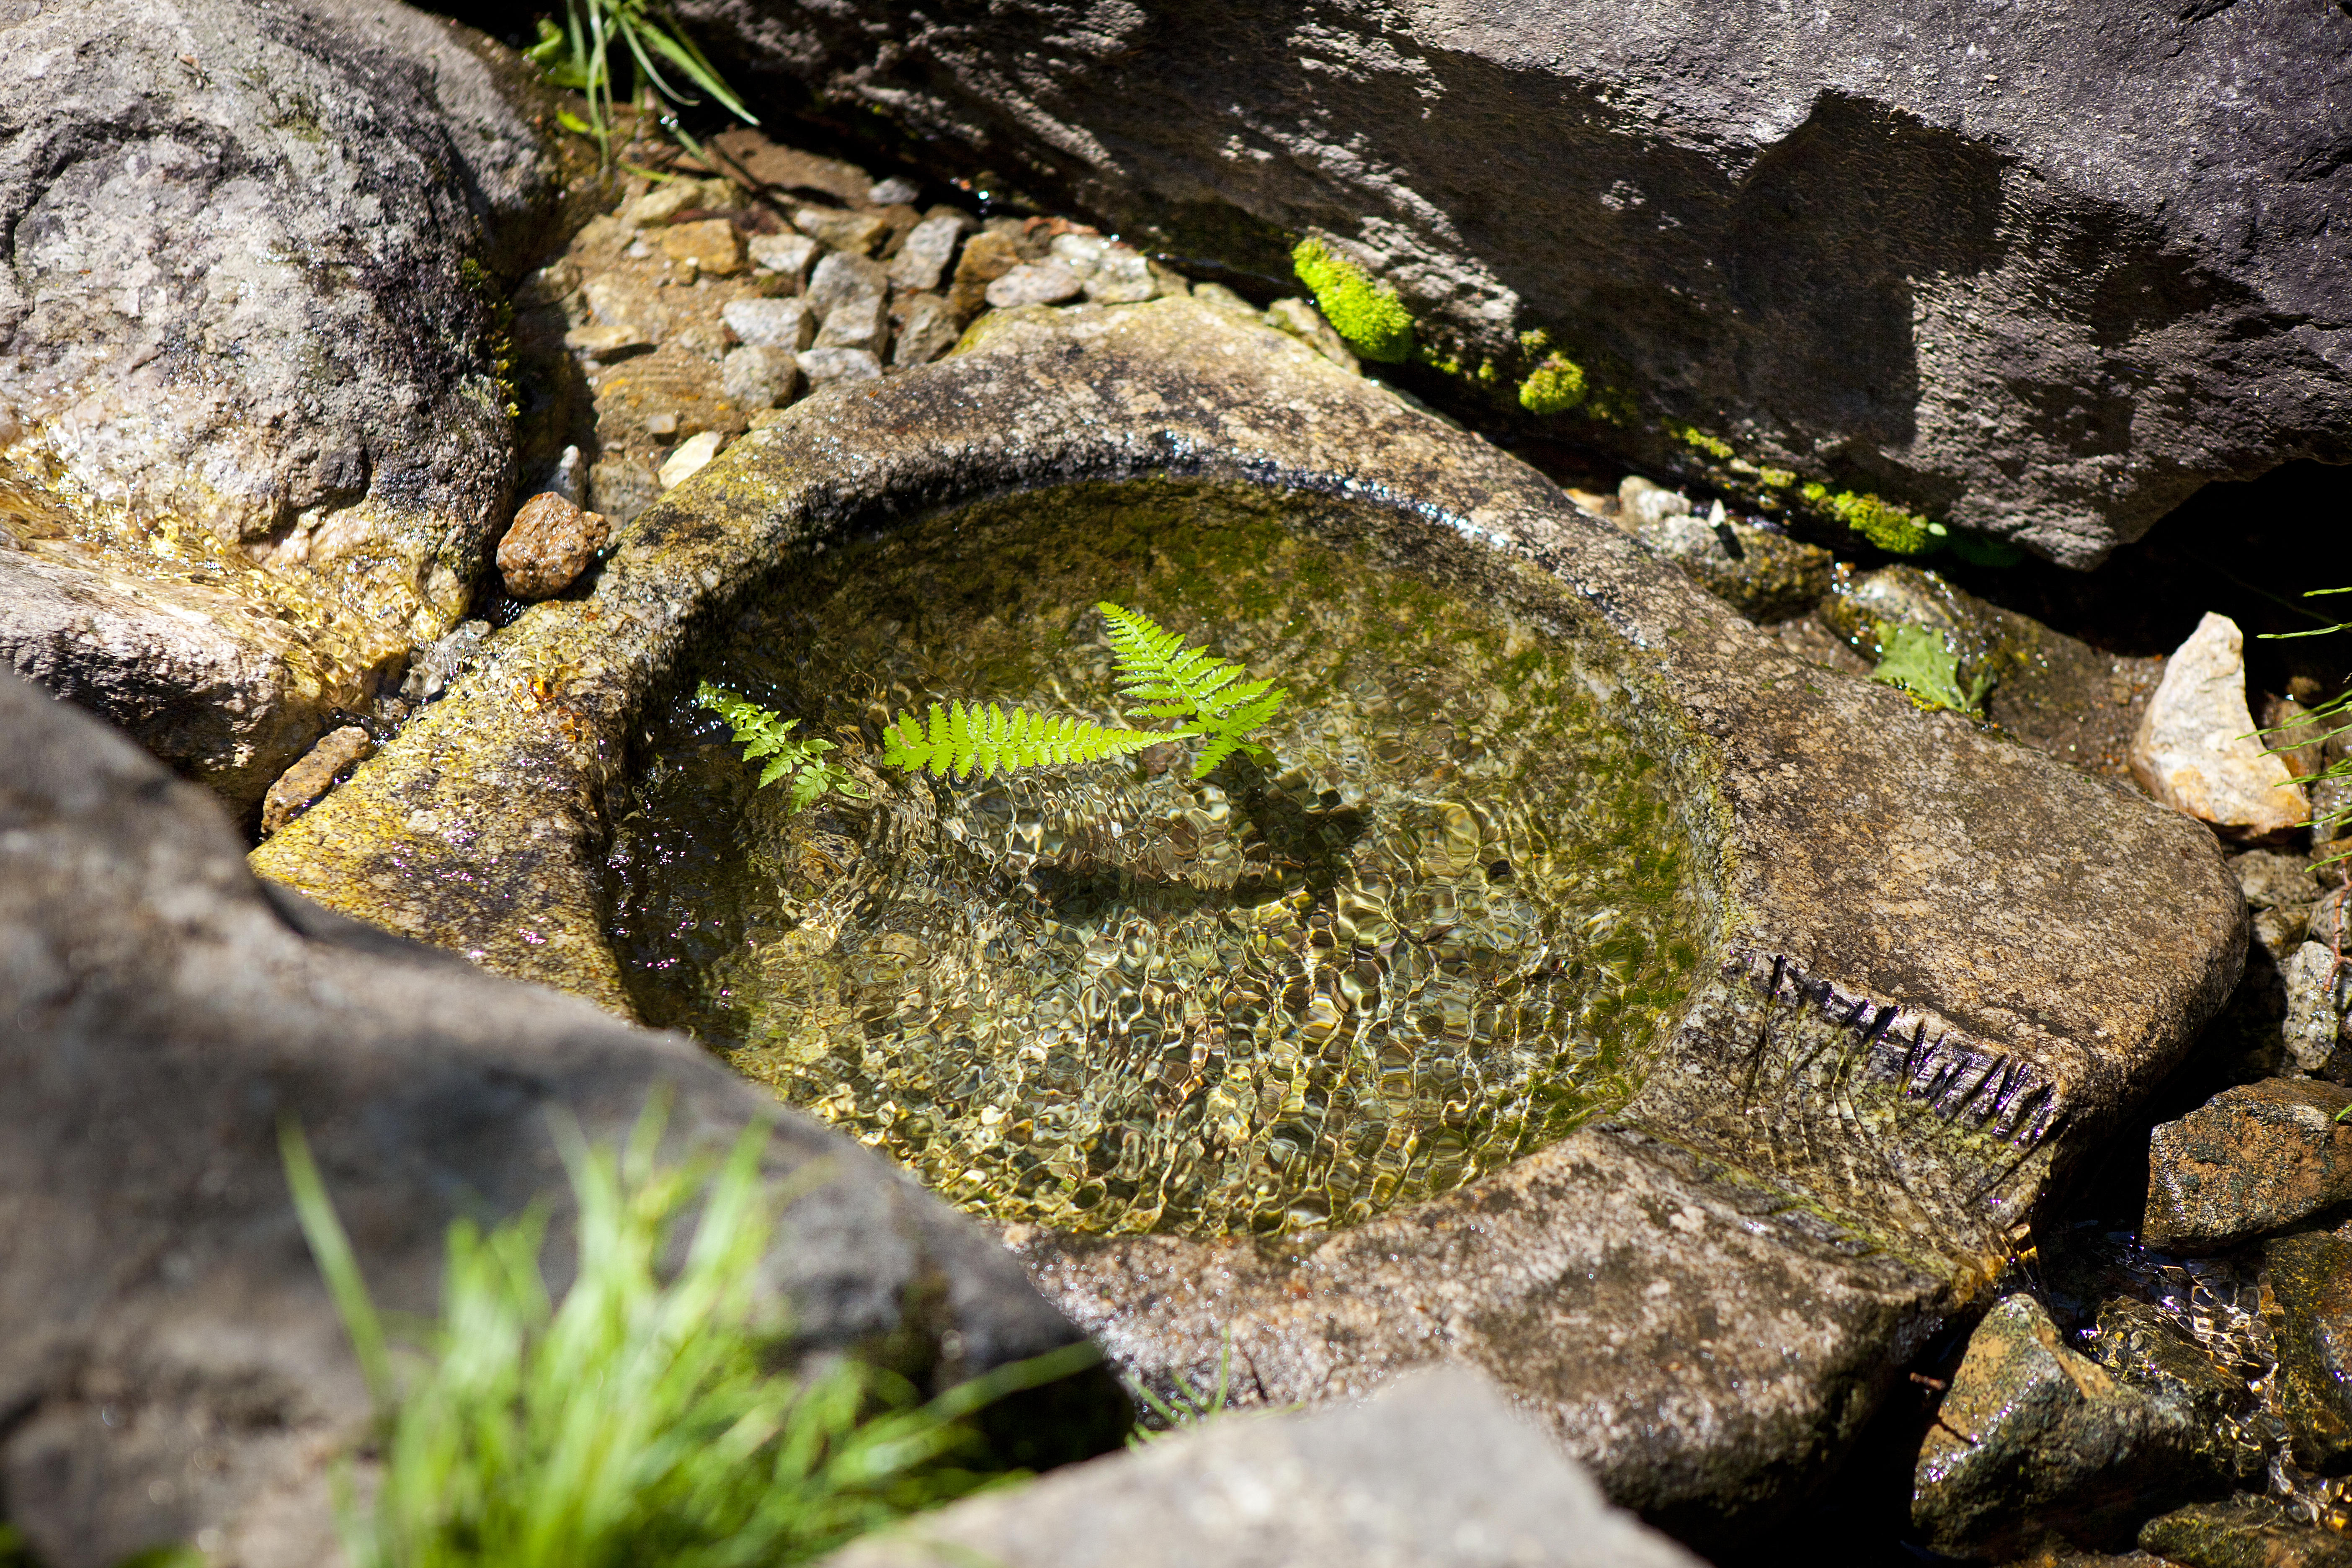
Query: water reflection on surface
(1435,934)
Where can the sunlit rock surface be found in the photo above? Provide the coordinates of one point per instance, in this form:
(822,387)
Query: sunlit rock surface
(251,347)
(1934,962)
(2040,274)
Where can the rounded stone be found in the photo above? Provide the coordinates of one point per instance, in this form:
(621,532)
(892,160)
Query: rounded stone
(551,542)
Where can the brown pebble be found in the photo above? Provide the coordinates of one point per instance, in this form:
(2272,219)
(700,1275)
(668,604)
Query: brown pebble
(549,544)
(299,787)
(713,245)
(986,258)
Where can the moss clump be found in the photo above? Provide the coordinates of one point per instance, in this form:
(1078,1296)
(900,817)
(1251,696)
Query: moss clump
(1554,386)
(1879,520)
(1368,314)
(1698,440)
(1775,478)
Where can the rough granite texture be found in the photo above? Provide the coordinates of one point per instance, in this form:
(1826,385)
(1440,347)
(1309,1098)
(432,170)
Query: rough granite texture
(2255,1158)
(169,1360)
(2039,272)
(251,256)
(1920,992)
(2036,1441)
(1436,1472)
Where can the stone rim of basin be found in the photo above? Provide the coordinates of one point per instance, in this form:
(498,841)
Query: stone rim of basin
(1916,1003)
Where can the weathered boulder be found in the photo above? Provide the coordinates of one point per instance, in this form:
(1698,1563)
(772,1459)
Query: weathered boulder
(248,336)
(2255,1158)
(2039,276)
(201,673)
(171,1364)
(1436,1472)
(2310,1277)
(2036,1440)
(1934,961)
(2196,749)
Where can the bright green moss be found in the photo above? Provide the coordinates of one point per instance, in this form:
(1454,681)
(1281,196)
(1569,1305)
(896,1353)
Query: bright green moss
(1369,315)
(1554,386)
(1775,478)
(1698,440)
(1879,520)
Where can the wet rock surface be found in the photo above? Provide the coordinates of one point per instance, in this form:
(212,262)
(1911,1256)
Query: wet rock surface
(1436,1472)
(299,787)
(2035,1439)
(1741,212)
(2002,1006)
(2310,1278)
(173,1368)
(2243,1533)
(248,352)
(2147,1350)
(2254,1159)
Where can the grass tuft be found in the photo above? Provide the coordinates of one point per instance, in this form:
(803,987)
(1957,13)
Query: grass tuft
(641,1421)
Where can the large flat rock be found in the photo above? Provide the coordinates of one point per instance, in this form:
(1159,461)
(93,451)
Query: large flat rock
(1435,1472)
(1935,961)
(2036,273)
(252,259)
(170,1365)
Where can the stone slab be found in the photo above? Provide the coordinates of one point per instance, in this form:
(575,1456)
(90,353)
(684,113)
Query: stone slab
(1939,961)
(1435,1471)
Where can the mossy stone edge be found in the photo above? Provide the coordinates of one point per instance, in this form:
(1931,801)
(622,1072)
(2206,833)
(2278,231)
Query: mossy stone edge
(1942,963)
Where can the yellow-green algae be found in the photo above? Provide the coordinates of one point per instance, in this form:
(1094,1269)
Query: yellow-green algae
(1698,440)
(1879,520)
(1442,931)
(1368,314)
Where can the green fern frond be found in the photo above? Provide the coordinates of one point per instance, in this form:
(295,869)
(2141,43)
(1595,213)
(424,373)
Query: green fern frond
(985,738)
(763,733)
(1209,694)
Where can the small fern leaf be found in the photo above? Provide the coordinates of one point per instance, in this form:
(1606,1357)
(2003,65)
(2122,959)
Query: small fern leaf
(1169,680)
(763,733)
(985,738)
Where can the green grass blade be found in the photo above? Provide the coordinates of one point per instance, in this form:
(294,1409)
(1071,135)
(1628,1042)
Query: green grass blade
(337,1265)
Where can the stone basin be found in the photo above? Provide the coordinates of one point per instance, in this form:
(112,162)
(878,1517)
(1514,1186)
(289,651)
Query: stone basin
(1936,963)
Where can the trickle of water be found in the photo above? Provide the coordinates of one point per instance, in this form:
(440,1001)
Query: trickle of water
(1436,934)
